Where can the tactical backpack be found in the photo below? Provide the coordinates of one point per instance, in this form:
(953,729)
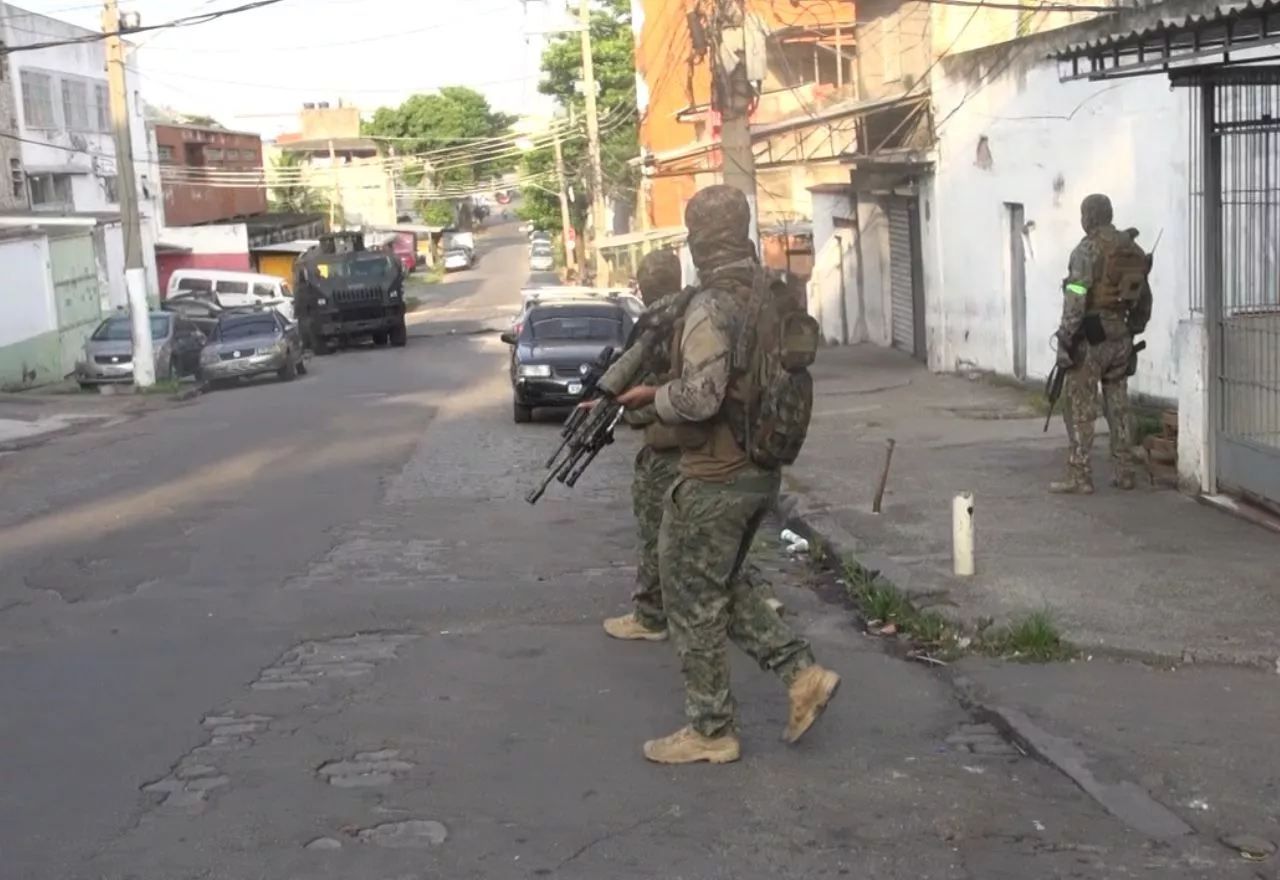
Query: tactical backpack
(779,342)
(1122,276)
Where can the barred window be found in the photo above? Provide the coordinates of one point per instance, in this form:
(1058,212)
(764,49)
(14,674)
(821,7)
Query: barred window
(37,101)
(75,105)
(102,107)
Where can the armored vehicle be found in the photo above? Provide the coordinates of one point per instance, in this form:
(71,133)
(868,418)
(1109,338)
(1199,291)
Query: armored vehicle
(343,291)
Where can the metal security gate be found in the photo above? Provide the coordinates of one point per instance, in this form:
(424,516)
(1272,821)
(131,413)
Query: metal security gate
(1236,144)
(73,265)
(906,292)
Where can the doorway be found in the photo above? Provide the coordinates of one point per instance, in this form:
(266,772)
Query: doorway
(1017,223)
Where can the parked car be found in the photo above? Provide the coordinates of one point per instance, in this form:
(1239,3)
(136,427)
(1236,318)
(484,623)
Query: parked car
(458,258)
(199,310)
(227,287)
(247,344)
(108,353)
(541,259)
(558,293)
(539,235)
(553,348)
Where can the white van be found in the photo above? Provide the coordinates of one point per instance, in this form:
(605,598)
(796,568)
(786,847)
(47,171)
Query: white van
(231,289)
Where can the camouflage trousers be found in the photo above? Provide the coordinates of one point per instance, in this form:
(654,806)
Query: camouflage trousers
(655,471)
(1104,364)
(707,530)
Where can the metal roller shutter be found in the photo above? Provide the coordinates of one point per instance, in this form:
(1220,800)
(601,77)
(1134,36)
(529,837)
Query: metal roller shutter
(901,294)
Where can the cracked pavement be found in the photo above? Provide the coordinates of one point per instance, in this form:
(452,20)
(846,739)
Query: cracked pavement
(313,631)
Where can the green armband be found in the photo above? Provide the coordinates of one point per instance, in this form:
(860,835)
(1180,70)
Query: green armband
(1076,288)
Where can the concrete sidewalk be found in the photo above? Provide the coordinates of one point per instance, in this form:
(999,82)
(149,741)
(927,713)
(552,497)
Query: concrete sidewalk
(1148,572)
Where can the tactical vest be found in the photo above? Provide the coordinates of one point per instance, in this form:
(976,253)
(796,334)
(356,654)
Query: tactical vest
(1121,274)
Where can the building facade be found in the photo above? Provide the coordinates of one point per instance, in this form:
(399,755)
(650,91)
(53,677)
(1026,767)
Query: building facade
(13,190)
(327,165)
(208,175)
(67,150)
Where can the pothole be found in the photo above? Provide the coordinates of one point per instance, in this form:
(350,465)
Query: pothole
(413,834)
(365,769)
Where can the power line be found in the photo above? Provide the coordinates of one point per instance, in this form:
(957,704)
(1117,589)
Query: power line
(186,21)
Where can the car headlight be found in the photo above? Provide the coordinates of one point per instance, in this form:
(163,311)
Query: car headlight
(321,301)
(394,294)
(535,371)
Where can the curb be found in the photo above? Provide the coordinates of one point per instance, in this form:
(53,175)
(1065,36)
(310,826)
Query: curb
(834,544)
(1122,798)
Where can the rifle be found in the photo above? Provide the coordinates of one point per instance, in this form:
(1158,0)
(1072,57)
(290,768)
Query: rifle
(589,430)
(1058,376)
(586,431)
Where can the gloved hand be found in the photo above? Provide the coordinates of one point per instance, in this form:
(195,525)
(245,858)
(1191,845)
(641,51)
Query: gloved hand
(1064,360)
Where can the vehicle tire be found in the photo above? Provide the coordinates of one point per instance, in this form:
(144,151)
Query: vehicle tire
(521,414)
(289,371)
(399,335)
(380,339)
(88,386)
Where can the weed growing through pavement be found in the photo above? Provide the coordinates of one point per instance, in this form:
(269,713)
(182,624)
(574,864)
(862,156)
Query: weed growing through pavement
(933,637)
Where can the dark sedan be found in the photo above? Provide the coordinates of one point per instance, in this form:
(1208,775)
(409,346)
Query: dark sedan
(553,347)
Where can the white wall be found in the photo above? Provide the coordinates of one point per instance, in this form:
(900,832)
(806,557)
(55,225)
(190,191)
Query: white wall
(26,297)
(88,155)
(1050,144)
(223,238)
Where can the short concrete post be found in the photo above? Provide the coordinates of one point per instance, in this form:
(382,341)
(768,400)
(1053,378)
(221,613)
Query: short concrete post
(962,534)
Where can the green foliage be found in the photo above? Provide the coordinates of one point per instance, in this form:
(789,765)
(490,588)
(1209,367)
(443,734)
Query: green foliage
(454,119)
(290,195)
(613,54)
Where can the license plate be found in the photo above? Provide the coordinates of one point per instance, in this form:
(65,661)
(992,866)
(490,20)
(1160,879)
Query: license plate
(575,387)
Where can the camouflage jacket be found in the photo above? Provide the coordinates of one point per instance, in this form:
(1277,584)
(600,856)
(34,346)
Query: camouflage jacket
(699,391)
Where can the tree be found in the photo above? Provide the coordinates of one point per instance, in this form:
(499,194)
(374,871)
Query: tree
(613,54)
(449,125)
(289,194)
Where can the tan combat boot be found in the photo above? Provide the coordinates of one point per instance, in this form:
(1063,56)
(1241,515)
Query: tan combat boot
(687,746)
(629,628)
(1124,480)
(810,693)
(777,606)
(1074,484)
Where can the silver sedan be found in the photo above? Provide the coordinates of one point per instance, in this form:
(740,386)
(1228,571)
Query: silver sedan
(252,344)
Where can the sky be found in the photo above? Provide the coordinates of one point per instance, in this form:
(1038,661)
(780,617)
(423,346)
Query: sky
(253,70)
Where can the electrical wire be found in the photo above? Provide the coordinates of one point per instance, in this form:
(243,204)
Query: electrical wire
(251,176)
(187,21)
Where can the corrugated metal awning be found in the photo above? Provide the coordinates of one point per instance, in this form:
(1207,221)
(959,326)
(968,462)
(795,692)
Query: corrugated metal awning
(1165,36)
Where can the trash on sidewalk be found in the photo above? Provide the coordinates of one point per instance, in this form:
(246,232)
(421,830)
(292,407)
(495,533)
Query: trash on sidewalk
(795,543)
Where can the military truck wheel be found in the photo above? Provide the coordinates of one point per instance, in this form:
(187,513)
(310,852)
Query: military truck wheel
(399,335)
(321,346)
(302,365)
(380,339)
(521,414)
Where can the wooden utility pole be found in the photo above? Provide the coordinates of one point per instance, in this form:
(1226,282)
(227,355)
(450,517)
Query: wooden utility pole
(566,224)
(135,272)
(335,200)
(733,95)
(593,140)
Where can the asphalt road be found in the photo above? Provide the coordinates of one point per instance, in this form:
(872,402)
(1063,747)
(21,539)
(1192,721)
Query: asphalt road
(312,630)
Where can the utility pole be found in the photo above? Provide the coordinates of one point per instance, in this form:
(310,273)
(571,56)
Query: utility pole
(570,255)
(335,199)
(135,272)
(593,139)
(732,95)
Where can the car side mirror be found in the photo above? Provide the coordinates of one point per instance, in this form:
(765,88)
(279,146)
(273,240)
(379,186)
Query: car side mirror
(508,338)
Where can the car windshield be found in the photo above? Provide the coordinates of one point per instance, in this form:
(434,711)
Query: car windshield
(568,327)
(244,328)
(120,329)
(542,252)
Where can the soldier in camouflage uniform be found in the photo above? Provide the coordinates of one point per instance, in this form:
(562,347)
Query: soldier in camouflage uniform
(1095,345)
(715,506)
(655,471)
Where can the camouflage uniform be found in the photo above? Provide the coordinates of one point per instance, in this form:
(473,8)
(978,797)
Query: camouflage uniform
(1107,363)
(715,506)
(656,468)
